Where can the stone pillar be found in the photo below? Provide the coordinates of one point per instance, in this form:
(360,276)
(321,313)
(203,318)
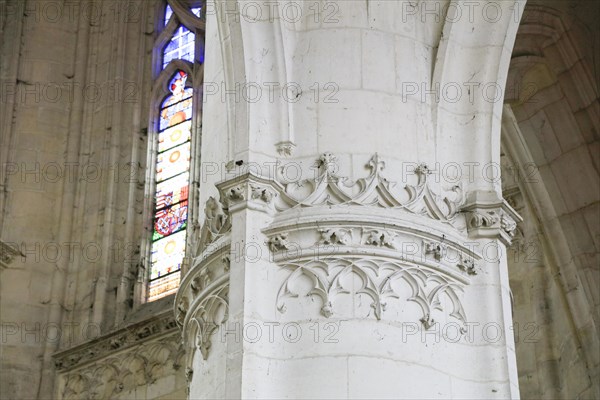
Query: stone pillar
(354,243)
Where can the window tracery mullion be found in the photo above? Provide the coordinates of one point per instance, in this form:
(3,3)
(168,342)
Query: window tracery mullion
(186,17)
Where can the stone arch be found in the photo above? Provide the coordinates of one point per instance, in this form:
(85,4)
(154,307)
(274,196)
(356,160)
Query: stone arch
(550,138)
(474,53)
(234,71)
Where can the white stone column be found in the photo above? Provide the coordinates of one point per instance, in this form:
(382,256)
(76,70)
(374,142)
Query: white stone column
(339,258)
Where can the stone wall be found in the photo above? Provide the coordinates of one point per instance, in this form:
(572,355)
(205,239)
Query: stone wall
(35,132)
(75,84)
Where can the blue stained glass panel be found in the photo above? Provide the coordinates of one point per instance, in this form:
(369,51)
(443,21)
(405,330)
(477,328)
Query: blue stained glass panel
(181,46)
(168,14)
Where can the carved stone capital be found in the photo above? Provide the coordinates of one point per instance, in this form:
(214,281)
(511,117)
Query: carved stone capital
(249,191)
(488,216)
(328,231)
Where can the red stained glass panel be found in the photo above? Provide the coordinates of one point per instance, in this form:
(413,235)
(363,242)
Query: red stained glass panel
(170,220)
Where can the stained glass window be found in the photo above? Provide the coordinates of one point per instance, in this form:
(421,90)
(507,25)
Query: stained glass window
(172,185)
(168,14)
(181,46)
(172,167)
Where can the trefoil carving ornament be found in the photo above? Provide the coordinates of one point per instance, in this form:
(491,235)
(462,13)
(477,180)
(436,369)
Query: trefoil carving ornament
(339,236)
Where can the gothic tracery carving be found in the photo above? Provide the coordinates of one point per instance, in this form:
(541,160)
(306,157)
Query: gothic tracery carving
(376,277)
(206,317)
(329,188)
(379,270)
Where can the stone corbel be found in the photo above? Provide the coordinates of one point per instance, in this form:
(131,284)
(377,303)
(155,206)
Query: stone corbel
(489,216)
(249,191)
(7,254)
